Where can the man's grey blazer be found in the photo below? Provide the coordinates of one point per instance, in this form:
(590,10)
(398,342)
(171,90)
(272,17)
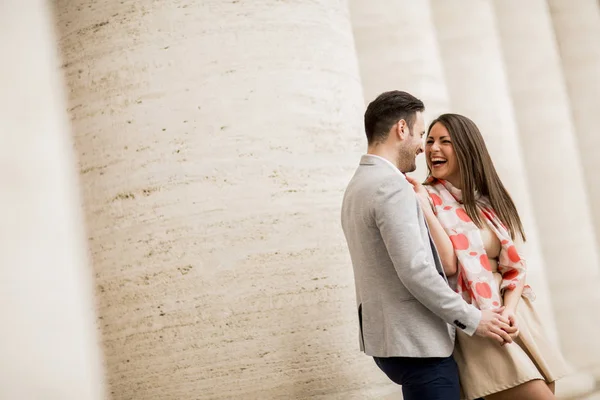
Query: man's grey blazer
(405,306)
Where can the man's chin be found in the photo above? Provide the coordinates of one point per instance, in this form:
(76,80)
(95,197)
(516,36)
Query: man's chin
(411,168)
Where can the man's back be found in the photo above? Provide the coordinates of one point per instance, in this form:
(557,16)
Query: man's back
(396,268)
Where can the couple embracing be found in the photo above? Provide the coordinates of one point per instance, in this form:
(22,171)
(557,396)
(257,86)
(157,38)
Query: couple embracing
(443,304)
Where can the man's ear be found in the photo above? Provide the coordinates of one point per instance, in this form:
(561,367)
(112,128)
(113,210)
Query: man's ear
(401,129)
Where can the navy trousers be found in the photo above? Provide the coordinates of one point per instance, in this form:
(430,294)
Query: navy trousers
(423,378)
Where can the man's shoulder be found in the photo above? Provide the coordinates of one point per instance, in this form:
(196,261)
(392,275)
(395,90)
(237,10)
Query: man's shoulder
(389,181)
(378,174)
(377,183)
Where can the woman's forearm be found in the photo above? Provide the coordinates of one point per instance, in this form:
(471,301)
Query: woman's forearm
(442,241)
(512,296)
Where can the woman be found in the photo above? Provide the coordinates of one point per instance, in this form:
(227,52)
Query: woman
(474,224)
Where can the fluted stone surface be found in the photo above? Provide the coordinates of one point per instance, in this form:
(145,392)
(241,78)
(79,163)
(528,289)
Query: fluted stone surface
(577,32)
(216,139)
(48,342)
(549,144)
(397,49)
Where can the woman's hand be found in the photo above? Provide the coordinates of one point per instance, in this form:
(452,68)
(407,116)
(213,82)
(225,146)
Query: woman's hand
(512,318)
(421,193)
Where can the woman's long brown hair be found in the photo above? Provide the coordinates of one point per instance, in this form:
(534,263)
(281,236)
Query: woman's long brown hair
(477,173)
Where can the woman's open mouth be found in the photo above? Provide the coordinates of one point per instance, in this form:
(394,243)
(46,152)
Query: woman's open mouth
(438,162)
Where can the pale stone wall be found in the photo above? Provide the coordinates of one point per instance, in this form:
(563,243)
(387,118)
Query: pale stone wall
(577,31)
(215,140)
(214,157)
(48,345)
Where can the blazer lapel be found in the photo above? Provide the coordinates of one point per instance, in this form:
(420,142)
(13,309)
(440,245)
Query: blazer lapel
(436,256)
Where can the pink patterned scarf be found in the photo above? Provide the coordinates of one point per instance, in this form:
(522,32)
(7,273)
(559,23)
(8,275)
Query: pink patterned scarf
(475,279)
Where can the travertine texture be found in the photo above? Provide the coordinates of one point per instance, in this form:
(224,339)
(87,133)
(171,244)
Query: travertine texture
(397,49)
(555,175)
(577,31)
(216,139)
(48,346)
(478,89)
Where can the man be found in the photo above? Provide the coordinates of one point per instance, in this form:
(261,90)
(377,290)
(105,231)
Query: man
(407,312)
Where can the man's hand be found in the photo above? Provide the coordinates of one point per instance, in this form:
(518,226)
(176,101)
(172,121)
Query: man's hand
(512,319)
(495,326)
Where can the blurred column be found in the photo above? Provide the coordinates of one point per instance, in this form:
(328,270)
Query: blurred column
(397,50)
(577,31)
(553,166)
(48,341)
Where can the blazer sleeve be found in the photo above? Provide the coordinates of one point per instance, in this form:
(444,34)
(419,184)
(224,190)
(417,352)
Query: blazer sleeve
(395,211)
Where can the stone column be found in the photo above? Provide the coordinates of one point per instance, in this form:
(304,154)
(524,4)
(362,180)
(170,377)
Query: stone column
(577,31)
(397,49)
(553,166)
(48,341)
(478,89)
(216,139)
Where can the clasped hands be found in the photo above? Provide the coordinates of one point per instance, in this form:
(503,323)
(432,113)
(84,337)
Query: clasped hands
(499,324)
